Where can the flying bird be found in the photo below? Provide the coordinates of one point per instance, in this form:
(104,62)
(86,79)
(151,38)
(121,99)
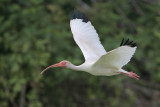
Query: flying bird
(98,61)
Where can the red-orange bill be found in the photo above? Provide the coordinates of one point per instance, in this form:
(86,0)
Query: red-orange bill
(52,66)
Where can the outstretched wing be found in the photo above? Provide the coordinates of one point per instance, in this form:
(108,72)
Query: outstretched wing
(118,57)
(86,36)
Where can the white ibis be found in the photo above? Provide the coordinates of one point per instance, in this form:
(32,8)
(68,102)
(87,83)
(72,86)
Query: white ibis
(97,60)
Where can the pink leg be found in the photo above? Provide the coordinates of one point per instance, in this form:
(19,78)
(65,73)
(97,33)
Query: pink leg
(132,75)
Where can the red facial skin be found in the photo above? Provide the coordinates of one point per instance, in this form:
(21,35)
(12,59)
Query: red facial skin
(61,64)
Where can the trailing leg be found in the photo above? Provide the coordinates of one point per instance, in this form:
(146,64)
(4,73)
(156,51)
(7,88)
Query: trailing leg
(129,74)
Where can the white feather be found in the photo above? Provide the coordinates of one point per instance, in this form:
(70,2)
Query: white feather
(87,39)
(116,58)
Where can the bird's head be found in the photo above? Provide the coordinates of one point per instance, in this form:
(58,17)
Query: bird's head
(62,64)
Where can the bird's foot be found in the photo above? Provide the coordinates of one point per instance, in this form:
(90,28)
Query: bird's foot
(132,75)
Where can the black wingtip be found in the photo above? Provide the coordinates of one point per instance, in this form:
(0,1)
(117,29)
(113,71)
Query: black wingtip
(122,42)
(128,43)
(78,15)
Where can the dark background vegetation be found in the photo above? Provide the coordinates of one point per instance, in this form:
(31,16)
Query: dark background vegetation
(36,33)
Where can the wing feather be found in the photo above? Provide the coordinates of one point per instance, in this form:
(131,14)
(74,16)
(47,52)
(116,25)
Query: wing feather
(86,37)
(116,58)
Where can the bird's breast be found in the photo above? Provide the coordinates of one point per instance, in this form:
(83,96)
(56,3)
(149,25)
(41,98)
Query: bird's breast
(104,72)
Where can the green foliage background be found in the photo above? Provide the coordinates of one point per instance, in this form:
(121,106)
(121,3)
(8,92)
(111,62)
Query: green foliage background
(36,33)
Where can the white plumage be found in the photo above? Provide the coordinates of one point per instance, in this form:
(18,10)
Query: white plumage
(87,39)
(117,57)
(97,60)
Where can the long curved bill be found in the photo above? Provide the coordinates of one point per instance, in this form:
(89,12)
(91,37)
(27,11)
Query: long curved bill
(52,66)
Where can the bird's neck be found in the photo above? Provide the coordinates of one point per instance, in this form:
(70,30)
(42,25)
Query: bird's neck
(77,68)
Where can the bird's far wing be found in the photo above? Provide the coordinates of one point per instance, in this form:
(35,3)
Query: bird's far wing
(86,36)
(118,57)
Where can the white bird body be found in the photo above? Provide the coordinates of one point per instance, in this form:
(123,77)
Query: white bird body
(90,68)
(97,60)
(99,68)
